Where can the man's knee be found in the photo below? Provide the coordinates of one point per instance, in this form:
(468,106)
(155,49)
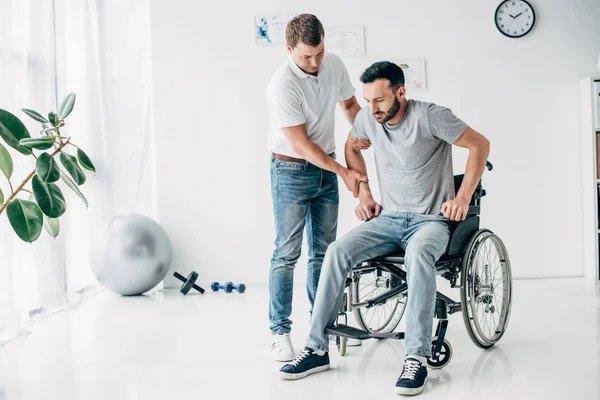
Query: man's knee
(337,254)
(425,251)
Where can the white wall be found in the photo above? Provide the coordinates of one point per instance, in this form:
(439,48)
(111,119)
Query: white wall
(211,120)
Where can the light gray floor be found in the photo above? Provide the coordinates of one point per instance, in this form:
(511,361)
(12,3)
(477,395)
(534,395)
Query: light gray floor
(215,346)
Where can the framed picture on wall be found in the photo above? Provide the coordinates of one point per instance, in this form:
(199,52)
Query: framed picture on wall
(269,29)
(414,74)
(345,41)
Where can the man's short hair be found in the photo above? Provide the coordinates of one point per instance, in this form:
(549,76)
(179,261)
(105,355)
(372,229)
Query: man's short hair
(384,70)
(304,28)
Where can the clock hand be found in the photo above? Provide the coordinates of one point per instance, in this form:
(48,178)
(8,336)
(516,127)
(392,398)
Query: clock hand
(518,14)
(512,16)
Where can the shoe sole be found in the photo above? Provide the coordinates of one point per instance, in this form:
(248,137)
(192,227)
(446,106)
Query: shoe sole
(284,357)
(290,377)
(410,391)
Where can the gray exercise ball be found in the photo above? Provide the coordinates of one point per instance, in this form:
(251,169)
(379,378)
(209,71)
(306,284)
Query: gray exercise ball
(131,255)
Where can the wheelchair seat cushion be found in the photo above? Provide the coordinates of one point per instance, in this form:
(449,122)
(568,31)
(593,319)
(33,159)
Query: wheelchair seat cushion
(459,239)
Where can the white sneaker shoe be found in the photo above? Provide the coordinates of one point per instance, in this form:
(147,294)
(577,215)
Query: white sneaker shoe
(281,348)
(354,342)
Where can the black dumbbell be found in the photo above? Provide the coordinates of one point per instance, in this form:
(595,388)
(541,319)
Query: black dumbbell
(189,282)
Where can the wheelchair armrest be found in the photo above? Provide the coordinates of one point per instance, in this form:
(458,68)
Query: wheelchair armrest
(473,210)
(462,234)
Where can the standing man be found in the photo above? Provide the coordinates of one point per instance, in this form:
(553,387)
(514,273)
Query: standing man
(301,98)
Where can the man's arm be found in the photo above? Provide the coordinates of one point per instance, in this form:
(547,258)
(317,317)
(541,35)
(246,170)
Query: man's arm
(367,208)
(350,108)
(479,149)
(312,153)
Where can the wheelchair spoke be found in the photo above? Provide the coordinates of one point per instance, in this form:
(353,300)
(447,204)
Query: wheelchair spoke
(488,289)
(382,317)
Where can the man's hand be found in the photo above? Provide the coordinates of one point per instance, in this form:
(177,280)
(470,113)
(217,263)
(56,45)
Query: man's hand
(367,209)
(455,209)
(351,179)
(361,144)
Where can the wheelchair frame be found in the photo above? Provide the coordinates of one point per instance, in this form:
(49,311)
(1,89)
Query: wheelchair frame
(450,266)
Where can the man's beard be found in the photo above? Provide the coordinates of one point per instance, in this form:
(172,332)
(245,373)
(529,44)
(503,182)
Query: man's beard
(391,113)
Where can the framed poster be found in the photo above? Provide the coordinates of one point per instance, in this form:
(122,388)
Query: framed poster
(414,74)
(345,41)
(269,29)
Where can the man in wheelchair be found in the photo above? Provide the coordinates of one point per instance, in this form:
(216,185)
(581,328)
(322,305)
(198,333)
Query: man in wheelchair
(413,155)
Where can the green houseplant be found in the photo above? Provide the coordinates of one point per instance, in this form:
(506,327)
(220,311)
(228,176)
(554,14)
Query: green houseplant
(38,202)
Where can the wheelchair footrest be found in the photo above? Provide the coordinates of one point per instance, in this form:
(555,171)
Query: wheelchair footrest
(348,331)
(355,333)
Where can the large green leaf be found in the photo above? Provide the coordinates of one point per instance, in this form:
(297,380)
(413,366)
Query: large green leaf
(25,218)
(47,168)
(12,130)
(70,164)
(42,143)
(73,187)
(35,115)
(52,226)
(66,106)
(6,162)
(85,161)
(53,118)
(49,197)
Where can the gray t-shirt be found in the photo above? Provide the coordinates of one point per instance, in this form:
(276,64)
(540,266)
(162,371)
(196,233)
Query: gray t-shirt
(414,156)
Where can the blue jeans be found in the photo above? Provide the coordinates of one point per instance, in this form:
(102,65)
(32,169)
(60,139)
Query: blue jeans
(304,195)
(424,239)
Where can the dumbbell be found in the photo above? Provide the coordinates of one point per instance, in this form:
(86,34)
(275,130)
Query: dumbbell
(228,287)
(189,282)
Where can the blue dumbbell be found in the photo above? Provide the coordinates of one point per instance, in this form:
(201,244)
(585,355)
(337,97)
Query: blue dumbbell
(228,287)
(241,288)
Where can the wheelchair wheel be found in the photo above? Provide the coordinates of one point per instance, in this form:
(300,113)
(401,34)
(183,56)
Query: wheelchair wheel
(341,342)
(443,357)
(486,288)
(383,318)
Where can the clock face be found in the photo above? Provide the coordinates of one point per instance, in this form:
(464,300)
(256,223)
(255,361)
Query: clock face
(514,18)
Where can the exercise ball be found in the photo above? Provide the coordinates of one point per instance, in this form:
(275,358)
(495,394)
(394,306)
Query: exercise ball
(131,255)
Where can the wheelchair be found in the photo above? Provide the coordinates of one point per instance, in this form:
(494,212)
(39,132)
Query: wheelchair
(476,262)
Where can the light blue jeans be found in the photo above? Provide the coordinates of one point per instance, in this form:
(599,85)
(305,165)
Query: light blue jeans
(424,239)
(304,196)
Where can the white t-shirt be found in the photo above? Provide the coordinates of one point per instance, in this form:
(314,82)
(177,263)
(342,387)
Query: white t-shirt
(295,98)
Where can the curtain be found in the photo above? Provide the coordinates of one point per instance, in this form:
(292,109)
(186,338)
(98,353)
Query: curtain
(101,51)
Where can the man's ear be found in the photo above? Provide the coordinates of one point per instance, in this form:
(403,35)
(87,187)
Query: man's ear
(289,48)
(401,92)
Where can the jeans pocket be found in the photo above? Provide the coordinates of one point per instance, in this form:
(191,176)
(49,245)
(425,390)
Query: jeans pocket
(288,167)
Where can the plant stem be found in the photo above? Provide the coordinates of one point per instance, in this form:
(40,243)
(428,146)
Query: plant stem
(22,185)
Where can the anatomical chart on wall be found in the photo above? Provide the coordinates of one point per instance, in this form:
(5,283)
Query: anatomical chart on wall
(345,41)
(414,74)
(269,29)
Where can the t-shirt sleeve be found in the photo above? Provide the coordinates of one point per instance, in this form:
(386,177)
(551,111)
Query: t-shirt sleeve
(285,105)
(444,124)
(346,89)
(358,129)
